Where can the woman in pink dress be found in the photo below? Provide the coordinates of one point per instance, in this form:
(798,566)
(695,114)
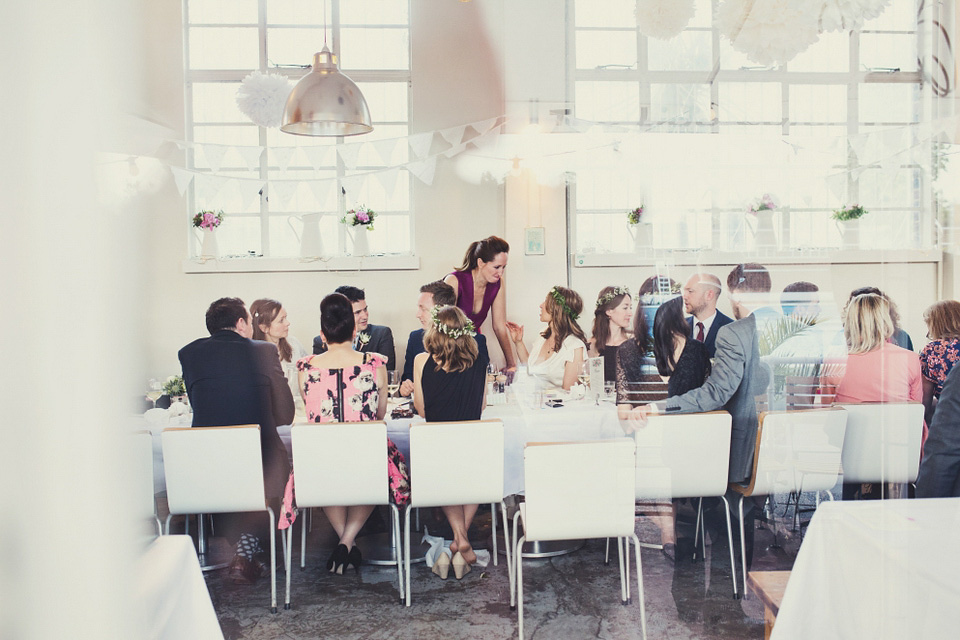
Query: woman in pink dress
(876,369)
(343,385)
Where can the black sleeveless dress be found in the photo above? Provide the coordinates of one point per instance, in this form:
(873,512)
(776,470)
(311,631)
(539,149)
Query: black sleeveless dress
(449,397)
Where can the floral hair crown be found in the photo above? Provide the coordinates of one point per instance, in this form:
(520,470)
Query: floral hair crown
(607,297)
(562,302)
(467,329)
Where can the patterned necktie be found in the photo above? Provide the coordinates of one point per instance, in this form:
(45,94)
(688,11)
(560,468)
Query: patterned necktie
(699,332)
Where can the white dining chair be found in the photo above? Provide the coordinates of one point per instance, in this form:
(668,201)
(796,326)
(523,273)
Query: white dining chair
(882,443)
(456,463)
(140,459)
(324,477)
(796,451)
(579,490)
(218,470)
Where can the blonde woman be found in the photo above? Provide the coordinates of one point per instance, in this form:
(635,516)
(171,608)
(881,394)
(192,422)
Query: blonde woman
(449,381)
(942,352)
(611,327)
(557,354)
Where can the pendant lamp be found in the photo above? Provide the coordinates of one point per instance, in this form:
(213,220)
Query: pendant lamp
(325,102)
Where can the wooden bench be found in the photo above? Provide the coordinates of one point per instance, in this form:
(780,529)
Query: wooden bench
(769,587)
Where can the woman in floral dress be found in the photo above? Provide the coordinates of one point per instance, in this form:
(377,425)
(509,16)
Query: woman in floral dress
(942,352)
(343,385)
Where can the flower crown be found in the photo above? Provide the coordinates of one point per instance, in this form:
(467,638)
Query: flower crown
(562,302)
(467,329)
(607,297)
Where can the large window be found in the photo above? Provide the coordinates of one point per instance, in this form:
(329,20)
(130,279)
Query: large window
(837,125)
(227,39)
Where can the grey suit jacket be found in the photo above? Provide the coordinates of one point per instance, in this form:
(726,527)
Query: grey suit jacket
(737,378)
(381,341)
(940,469)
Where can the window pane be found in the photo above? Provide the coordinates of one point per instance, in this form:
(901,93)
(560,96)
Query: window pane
(606,49)
(215,102)
(889,102)
(608,101)
(703,15)
(391,234)
(299,12)
(397,151)
(886,51)
(750,102)
(237,236)
(387,100)
(224,48)
(690,51)
(286,231)
(614,13)
(222,11)
(898,16)
(818,103)
(293,46)
(374,49)
(830,53)
(373,12)
(247,136)
(679,102)
(733,59)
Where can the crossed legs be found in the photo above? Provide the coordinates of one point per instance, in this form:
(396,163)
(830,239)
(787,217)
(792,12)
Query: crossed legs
(460,516)
(347,521)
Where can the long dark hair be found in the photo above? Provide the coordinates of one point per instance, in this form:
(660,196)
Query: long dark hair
(667,324)
(264,311)
(601,323)
(486,250)
(641,333)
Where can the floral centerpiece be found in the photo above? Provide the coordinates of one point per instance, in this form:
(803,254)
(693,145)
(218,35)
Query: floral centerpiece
(208,220)
(849,212)
(765,203)
(635,216)
(360,217)
(174,386)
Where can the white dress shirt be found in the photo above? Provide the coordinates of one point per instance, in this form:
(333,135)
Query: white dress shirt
(706,325)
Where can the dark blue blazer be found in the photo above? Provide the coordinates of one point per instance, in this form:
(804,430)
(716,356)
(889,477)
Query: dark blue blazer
(233,380)
(415,347)
(710,340)
(940,469)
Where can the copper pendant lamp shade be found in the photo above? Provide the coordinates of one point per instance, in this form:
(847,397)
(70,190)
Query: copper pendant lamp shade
(326,103)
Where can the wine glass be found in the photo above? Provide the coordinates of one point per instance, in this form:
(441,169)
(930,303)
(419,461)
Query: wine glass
(583,377)
(154,391)
(393,383)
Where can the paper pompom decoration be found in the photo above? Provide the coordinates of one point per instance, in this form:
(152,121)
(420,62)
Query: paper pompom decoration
(770,32)
(849,15)
(664,19)
(262,97)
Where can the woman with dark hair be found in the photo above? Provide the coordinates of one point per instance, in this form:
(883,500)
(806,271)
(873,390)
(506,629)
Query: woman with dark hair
(479,287)
(631,376)
(449,385)
(558,351)
(611,322)
(685,362)
(942,352)
(271,325)
(343,385)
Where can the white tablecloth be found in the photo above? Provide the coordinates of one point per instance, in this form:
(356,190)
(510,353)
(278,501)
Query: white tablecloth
(877,570)
(171,595)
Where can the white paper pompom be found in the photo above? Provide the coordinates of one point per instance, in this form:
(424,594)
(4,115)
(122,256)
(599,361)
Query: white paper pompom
(177,409)
(664,19)
(770,31)
(262,97)
(849,15)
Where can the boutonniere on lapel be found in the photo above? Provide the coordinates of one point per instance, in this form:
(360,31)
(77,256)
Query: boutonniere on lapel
(362,339)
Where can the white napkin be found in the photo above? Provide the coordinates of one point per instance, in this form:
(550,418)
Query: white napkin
(577,392)
(177,409)
(157,417)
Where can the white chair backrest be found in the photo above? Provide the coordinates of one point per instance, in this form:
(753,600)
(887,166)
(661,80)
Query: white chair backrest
(799,451)
(683,456)
(139,456)
(579,489)
(456,463)
(340,464)
(882,442)
(213,469)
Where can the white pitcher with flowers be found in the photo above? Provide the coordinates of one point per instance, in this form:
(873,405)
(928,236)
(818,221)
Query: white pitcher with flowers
(848,221)
(208,221)
(360,220)
(761,211)
(640,229)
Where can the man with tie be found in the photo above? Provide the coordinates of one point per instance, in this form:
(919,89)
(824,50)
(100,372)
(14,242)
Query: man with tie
(370,337)
(700,295)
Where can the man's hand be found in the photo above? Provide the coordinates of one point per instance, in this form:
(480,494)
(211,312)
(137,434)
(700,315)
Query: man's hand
(406,388)
(634,418)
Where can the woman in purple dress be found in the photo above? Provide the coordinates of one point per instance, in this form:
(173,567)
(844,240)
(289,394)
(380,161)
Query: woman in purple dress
(479,287)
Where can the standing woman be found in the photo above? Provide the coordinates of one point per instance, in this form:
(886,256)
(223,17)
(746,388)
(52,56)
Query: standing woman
(478,285)
(557,355)
(271,325)
(611,319)
(942,352)
(449,382)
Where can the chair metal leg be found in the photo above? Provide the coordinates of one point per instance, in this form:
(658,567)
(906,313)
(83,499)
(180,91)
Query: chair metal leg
(696,530)
(733,563)
(156,521)
(643,605)
(493,524)
(406,551)
(519,560)
(516,559)
(397,549)
(829,494)
(273,561)
(743,546)
(624,575)
(606,553)
(287,560)
(169,517)
(506,541)
(304,527)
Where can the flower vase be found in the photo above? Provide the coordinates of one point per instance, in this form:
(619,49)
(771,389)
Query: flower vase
(361,245)
(849,234)
(642,236)
(764,235)
(311,242)
(208,247)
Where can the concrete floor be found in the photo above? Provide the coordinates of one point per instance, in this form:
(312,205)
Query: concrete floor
(571,596)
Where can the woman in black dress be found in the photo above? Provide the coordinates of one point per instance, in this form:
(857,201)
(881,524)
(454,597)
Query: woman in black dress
(449,381)
(684,360)
(611,322)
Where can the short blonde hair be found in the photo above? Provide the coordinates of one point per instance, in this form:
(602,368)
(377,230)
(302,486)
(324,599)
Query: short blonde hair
(867,323)
(943,320)
(451,354)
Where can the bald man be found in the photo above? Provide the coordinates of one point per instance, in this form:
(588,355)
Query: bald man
(700,295)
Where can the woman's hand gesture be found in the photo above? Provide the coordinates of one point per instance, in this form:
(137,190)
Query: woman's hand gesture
(516,331)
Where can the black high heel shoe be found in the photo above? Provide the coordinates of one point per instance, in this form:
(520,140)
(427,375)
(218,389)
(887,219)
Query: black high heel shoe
(355,558)
(337,559)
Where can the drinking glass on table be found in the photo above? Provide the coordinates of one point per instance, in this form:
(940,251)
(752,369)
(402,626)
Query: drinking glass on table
(393,383)
(154,391)
(583,377)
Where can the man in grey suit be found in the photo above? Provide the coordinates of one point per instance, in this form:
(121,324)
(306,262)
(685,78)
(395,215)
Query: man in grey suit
(372,338)
(940,469)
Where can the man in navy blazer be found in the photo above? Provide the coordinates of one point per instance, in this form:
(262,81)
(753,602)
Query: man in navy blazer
(940,469)
(372,338)
(700,295)
(431,294)
(231,380)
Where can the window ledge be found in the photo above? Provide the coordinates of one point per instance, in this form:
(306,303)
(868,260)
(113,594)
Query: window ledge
(682,257)
(394,262)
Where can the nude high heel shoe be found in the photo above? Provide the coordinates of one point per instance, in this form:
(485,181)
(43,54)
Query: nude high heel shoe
(460,566)
(441,566)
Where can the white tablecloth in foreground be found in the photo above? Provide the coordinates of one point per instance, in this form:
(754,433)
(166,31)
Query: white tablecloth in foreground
(171,595)
(877,570)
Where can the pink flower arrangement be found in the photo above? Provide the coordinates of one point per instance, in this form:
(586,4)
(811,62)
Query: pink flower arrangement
(766,203)
(361,216)
(635,216)
(208,220)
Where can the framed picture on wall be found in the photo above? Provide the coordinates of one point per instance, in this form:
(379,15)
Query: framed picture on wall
(533,237)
